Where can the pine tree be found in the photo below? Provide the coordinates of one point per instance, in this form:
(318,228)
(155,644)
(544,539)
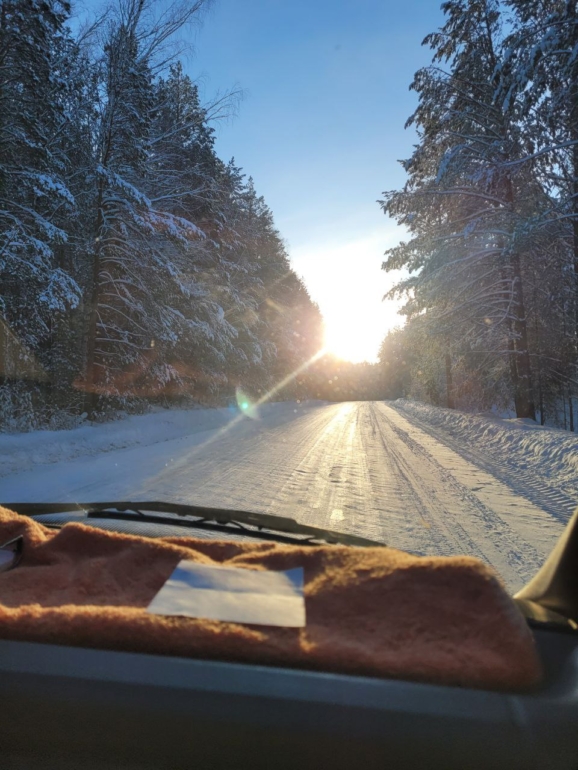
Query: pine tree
(462,204)
(539,74)
(34,200)
(32,191)
(133,319)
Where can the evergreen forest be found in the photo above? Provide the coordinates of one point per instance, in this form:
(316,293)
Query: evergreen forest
(136,266)
(490,208)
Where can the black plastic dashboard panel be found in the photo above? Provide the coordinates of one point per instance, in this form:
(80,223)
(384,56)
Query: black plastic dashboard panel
(67,708)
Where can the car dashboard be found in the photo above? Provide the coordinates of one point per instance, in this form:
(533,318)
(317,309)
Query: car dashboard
(68,707)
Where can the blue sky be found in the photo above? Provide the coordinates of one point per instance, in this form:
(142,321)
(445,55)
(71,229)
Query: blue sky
(320,128)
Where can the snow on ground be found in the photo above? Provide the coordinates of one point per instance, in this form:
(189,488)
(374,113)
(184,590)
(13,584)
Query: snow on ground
(541,462)
(413,477)
(24,451)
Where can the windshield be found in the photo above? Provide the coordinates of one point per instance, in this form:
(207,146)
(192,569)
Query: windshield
(314,260)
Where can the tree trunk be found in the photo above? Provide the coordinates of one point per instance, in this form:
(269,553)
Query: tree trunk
(540,393)
(563,402)
(513,367)
(522,381)
(449,383)
(573,93)
(574,136)
(90,394)
(523,396)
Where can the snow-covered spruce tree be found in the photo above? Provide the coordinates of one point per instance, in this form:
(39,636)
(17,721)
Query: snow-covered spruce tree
(276,326)
(296,329)
(35,285)
(74,140)
(239,239)
(463,206)
(280,328)
(183,156)
(132,319)
(289,324)
(185,182)
(539,74)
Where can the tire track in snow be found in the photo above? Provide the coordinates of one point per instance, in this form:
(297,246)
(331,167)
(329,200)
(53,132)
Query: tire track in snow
(536,487)
(513,535)
(329,487)
(432,508)
(366,476)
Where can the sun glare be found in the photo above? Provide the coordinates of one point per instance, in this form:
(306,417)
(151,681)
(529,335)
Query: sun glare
(355,334)
(350,295)
(350,342)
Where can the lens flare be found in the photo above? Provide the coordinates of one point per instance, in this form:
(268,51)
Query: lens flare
(242,399)
(246,406)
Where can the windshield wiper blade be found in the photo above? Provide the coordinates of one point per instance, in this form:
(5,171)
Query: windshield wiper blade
(221,516)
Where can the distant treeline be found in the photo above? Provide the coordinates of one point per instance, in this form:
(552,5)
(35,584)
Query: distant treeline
(329,378)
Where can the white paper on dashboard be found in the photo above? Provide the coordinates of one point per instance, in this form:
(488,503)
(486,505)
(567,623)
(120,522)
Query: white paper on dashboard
(234,595)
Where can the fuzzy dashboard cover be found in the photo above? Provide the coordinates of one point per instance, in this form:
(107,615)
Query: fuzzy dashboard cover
(370,611)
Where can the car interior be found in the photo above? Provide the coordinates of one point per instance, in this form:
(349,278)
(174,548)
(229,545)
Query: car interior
(70,706)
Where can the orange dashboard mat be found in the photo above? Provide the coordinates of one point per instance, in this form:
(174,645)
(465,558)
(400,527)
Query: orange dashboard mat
(370,611)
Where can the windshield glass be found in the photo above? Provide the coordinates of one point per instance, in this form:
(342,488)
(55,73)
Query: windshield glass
(315,260)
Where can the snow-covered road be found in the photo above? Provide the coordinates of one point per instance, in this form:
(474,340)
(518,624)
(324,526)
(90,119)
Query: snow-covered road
(367,468)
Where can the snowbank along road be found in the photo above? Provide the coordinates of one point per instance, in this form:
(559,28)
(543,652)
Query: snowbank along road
(374,469)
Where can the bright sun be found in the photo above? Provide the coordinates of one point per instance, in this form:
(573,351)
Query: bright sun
(356,326)
(350,340)
(346,281)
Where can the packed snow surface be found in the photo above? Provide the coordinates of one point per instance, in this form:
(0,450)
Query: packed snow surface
(422,479)
(543,461)
(23,451)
